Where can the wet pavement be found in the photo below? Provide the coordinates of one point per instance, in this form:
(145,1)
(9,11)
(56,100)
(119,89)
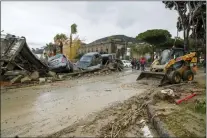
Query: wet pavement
(43,110)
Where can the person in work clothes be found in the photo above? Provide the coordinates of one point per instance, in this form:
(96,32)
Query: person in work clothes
(137,64)
(142,62)
(133,62)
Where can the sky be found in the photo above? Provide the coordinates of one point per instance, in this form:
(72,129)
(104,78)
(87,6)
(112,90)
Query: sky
(40,21)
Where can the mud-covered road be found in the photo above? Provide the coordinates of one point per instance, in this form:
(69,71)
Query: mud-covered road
(43,110)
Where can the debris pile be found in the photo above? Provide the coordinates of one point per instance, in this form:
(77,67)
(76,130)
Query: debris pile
(20,65)
(17,61)
(105,70)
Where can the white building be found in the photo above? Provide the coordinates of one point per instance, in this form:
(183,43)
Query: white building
(128,52)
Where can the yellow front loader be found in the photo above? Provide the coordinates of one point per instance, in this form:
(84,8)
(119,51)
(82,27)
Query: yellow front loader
(173,67)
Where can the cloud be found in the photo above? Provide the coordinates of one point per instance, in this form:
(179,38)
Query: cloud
(40,21)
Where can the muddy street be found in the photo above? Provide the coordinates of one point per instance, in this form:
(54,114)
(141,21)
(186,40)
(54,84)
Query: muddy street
(43,110)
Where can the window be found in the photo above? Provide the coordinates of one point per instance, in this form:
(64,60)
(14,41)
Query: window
(86,58)
(92,50)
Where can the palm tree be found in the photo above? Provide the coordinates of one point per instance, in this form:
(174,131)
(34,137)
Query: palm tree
(60,38)
(50,47)
(73,30)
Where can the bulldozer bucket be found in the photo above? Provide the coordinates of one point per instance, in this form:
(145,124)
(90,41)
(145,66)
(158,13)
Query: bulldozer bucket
(160,76)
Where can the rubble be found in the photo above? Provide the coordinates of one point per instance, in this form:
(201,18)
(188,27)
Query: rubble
(42,80)
(26,79)
(168,92)
(16,73)
(16,79)
(49,81)
(52,74)
(17,58)
(34,75)
(60,76)
(166,95)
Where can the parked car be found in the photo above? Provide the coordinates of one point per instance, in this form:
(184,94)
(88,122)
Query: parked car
(126,63)
(60,63)
(89,60)
(106,58)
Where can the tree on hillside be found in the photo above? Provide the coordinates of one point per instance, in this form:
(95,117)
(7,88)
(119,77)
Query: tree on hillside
(192,17)
(60,38)
(154,37)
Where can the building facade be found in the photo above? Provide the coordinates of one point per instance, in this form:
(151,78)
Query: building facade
(118,47)
(98,47)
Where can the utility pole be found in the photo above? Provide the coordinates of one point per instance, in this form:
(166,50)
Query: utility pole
(125,50)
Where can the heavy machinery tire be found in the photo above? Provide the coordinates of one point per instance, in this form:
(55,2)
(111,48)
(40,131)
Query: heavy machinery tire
(175,77)
(188,75)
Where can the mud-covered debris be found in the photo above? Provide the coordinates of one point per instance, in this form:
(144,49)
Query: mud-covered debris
(61,76)
(42,80)
(16,79)
(50,78)
(52,74)
(16,73)
(134,107)
(169,92)
(34,75)
(26,79)
(16,54)
(166,95)
(49,81)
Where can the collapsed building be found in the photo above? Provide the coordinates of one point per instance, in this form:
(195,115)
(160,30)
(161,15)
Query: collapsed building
(17,58)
